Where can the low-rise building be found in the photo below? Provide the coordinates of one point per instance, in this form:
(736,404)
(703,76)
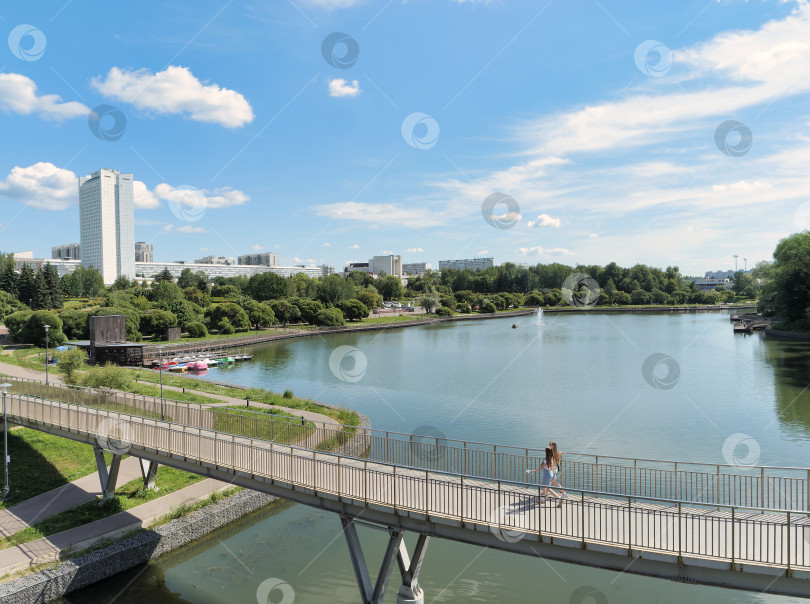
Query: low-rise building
(144,252)
(216,260)
(415,268)
(265,259)
(476,264)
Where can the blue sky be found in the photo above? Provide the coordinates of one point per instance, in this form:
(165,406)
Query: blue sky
(661,133)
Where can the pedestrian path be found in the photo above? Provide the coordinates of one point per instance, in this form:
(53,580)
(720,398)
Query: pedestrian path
(49,548)
(43,506)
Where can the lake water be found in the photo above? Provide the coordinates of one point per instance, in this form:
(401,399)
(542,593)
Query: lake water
(580,379)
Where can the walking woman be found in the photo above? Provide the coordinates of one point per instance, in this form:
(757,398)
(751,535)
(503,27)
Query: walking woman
(548,472)
(558,461)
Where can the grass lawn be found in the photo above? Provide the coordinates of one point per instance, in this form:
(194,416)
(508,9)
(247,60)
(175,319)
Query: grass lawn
(30,358)
(279,427)
(41,462)
(128,496)
(258,395)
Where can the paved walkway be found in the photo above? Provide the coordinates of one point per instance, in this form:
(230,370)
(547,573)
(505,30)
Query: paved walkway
(37,509)
(48,549)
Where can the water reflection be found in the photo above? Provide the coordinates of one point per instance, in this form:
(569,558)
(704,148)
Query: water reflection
(791,364)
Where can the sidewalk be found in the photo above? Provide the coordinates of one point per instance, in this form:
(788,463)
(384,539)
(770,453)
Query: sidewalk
(48,549)
(50,503)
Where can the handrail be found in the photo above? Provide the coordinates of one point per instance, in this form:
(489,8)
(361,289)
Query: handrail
(751,534)
(714,485)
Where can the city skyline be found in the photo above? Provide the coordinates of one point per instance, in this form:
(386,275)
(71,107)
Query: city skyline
(681,153)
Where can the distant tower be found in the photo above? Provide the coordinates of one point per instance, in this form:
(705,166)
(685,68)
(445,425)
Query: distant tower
(745,264)
(107,220)
(735,262)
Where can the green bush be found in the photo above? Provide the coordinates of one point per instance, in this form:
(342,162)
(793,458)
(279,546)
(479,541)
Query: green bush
(132,315)
(33,332)
(107,376)
(463,307)
(74,324)
(224,326)
(69,362)
(15,322)
(288,393)
(329,317)
(196,330)
(443,311)
(487,307)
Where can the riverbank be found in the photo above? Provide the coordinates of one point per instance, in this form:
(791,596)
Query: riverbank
(649,309)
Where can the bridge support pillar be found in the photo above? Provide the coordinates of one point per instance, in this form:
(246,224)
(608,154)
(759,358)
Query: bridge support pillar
(409,592)
(108,478)
(148,472)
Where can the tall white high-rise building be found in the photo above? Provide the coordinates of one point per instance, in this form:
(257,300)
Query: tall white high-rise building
(107,220)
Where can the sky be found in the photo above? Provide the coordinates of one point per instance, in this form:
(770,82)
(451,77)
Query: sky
(330,131)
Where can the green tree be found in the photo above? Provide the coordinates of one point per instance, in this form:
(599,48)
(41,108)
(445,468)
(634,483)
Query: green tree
(639,296)
(133,319)
(267,286)
(33,332)
(430,301)
(74,324)
(165,291)
(224,327)
(235,314)
(284,311)
(121,283)
(487,307)
(792,280)
(622,298)
(196,329)
(8,276)
(107,377)
(331,317)
(15,322)
(53,285)
(164,275)
(260,314)
(308,308)
(369,297)
(26,285)
(391,288)
(69,362)
(225,290)
(9,304)
(335,288)
(155,323)
(42,295)
(353,310)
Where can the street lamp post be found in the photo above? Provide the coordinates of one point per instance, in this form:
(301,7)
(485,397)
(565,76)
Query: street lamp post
(160,370)
(47,327)
(6,493)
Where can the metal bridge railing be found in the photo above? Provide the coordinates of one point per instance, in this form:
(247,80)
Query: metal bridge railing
(709,484)
(738,534)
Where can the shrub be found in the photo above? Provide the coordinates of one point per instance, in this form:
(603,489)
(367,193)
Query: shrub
(288,393)
(535,299)
(69,362)
(15,322)
(74,324)
(487,307)
(225,327)
(329,317)
(109,377)
(463,307)
(156,321)
(443,311)
(353,310)
(132,315)
(33,332)
(196,329)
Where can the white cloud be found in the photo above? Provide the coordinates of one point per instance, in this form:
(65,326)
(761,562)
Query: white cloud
(298,260)
(176,91)
(18,94)
(203,249)
(144,198)
(544,220)
(330,4)
(414,250)
(380,214)
(327,244)
(339,87)
(42,185)
(256,247)
(482,253)
(593,235)
(187,229)
(354,247)
(223,197)
(537,251)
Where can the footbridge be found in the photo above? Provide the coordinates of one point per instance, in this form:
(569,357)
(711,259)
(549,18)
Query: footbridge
(710,524)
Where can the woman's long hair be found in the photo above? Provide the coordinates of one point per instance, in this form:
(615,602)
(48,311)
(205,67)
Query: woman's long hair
(557,454)
(550,458)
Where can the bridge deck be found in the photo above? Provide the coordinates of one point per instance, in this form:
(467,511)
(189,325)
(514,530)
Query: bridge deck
(506,515)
